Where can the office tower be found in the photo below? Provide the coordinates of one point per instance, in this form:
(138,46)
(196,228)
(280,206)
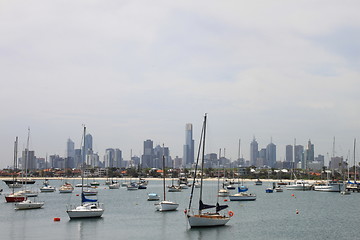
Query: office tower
(289,153)
(261,160)
(188,154)
(254,152)
(309,155)
(78,158)
(118,158)
(109,158)
(271,155)
(148,156)
(299,152)
(28,160)
(70,153)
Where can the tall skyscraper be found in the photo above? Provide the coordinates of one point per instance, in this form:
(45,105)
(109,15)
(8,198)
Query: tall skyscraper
(118,158)
(254,152)
(109,158)
(188,154)
(271,154)
(309,155)
(299,152)
(70,153)
(148,156)
(289,153)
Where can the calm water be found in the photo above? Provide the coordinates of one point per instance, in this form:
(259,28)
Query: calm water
(128,214)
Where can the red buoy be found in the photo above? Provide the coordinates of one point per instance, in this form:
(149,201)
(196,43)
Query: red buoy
(56,219)
(225,200)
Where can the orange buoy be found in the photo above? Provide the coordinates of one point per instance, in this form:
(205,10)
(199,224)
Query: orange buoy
(56,219)
(231,213)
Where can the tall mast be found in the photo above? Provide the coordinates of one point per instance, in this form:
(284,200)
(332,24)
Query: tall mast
(82,167)
(15,162)
(354,161)
(203,155)
(27,156)
(163,158)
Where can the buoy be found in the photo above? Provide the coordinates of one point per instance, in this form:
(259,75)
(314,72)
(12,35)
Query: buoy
(297,211)
(231,213)
(225,200)
(77,195)
(185,211)
(292,195)
(56,219)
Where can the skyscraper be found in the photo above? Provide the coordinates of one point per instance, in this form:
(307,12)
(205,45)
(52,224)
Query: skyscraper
(109,158)
(289,153)
(70,153)
(188,155)
(309,155)
(118,158)
(148,156)
(271,154)
(254,152)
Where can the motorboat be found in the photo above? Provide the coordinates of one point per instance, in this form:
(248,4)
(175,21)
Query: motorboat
(46,187)
(242,196)
(329,186)
(223,193)
(28,204)
(258,182)
(166,206)
(66,188)
(114,185)
(299,185)
(153,197)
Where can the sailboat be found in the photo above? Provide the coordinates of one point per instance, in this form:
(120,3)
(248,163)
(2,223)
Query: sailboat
(15,197)
(27,203)
(205,219)
(165,205)
(89,208)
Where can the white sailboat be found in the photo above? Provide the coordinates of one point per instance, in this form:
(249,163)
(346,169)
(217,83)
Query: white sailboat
(27,203)
(89,208)
(205,219)
(165,205)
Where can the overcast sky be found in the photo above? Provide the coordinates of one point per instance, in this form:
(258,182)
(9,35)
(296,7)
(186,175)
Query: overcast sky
(137,70)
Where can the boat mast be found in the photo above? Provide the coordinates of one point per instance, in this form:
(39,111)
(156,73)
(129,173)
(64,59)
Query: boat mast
(163,158)
(202,160)
(354,161)
(15,163)
(196,167)
(82,167)
(27,157)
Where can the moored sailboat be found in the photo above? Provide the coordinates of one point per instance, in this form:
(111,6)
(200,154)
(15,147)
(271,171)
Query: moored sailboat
(205,219)
(89,208)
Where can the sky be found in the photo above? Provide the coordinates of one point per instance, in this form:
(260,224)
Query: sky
(137,70)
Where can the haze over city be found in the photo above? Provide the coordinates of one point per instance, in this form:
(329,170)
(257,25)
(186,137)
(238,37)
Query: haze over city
(137,70)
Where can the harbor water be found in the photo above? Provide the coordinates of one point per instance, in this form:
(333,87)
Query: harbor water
(128,215)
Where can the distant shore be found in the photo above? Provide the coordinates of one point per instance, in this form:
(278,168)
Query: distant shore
(152,179)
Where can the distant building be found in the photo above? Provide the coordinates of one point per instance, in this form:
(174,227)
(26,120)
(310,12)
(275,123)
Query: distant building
(118,158)
(299,151)
(337,163)
(188,154)
(28,160)
(148,157)
(254,152)
(308,155)
(109,158)
(289,153)
(271,155)
(70,153)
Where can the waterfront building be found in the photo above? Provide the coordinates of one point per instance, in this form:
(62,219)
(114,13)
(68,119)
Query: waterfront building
(188,154)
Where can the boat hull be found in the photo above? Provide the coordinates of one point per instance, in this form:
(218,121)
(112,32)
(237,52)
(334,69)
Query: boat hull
(86,211)
(329,188)
(166,206)
(207,220)
(15,198)
(31,205)
(242,197)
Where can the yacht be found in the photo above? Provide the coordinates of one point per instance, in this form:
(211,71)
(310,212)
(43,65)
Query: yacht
(28,204)
(299,185)
(242,196)
(329,186)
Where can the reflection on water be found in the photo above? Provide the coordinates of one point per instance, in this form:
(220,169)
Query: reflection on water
(84,228)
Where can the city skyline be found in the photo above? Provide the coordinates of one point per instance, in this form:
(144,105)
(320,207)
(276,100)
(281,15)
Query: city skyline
(132,71)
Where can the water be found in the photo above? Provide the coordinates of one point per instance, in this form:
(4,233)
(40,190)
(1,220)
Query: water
(128,214)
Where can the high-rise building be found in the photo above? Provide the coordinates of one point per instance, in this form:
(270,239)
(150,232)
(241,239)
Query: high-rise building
(28,160)
(109,158)
(188,154)
(70,153)
(271,155)
(309,155)
(148,156)
(118,158)
(289,153)
(254,152)
(299,152)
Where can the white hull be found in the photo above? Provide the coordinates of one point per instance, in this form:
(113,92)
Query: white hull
(47,189)
(166,206)
(153,197)
(207,220)
(242,197)
(329,188)
(299,186)
(27,204)
(88,210)
(114,186)
(223,193)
